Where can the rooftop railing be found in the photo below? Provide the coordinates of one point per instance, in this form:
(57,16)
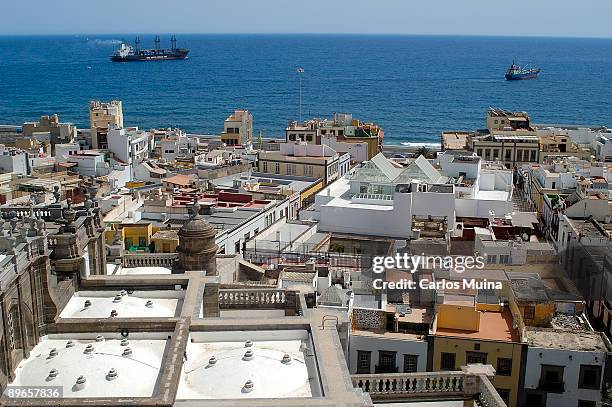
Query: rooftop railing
(252,297)
(429,386)
(149,259)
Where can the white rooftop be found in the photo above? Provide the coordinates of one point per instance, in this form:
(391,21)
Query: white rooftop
(495,195)
(136,374)
(100,304)
(120,270)
(272,365)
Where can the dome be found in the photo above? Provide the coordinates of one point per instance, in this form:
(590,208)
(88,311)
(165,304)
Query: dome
(197,224)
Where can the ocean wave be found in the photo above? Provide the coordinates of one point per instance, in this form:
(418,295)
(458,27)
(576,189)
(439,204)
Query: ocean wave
(417,144)
(103,42)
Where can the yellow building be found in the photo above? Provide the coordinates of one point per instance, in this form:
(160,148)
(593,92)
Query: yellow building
(300,159)
(165,241)
(466,332)
(238,128)
(136,235)
(103,115)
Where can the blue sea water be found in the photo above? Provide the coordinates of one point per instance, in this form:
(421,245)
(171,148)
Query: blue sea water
(413,86)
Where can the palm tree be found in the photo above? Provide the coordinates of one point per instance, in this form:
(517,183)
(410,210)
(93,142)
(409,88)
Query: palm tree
(424,151)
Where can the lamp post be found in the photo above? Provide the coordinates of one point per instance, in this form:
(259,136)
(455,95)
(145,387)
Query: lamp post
(300,71)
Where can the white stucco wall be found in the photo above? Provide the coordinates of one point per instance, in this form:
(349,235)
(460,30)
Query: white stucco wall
(561,357)
(409,346)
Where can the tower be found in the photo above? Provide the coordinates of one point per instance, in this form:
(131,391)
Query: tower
(197,249)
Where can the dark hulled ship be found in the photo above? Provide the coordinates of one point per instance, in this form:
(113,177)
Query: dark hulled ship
(127,53)
(517,73)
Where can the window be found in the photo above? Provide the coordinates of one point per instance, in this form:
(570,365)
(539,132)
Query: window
(447,361)
(590,377)
(479,152)
(237,247)
(534,399)
(142,241)
(551,379)
(277,168)
(508,154)
(529,312)
(309,137)
(386,362)
(505,395)
(363,361)
(476,357)
(491,259)
(410,363)
(504,366)
(495,154)
(533,155)
(519,155)
(504,259)
(586,403)
(292,137)
(265,166)
(308,170)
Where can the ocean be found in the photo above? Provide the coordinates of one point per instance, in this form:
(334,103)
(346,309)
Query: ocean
(413,86)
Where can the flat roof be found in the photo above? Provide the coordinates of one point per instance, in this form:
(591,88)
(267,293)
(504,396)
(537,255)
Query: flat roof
(295,183)
(100,304)
(277,368)
(137,374)
(495,326)
(565,339)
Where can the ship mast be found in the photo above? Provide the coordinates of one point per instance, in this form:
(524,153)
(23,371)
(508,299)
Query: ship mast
(157,41)
(173,41)
(137,44)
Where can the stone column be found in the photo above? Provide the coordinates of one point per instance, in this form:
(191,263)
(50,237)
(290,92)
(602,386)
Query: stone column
(211,300)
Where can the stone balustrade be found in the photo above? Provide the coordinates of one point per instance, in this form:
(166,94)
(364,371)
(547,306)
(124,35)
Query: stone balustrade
(488,396)
(429,386)
(253,298)
(149,259)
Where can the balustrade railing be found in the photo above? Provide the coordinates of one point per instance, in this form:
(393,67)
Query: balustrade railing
(429,386)
(149,259)
(256,298)
(488,396)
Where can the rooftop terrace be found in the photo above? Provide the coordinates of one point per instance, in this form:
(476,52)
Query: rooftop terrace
(495,326)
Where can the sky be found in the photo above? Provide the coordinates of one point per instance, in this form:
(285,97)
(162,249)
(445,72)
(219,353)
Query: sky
(556,18)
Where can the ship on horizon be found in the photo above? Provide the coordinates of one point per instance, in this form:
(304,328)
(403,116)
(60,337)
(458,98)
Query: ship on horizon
(516,72)
(127,53)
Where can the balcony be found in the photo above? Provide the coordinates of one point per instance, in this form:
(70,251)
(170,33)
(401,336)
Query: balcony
(260,299)
(468,384)
(551,387)
(149,260)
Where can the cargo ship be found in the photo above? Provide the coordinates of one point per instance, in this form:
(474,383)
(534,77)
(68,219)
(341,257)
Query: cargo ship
(516,73)
(127,53)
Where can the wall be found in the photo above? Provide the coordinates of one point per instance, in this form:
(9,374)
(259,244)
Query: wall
(376,343)
(561,357)
(464,318)
(493,349)
(479,208)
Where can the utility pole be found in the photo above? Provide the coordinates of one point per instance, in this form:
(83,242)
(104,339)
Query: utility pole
(300,72)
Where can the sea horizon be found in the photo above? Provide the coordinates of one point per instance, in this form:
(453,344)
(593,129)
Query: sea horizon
(413,85)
